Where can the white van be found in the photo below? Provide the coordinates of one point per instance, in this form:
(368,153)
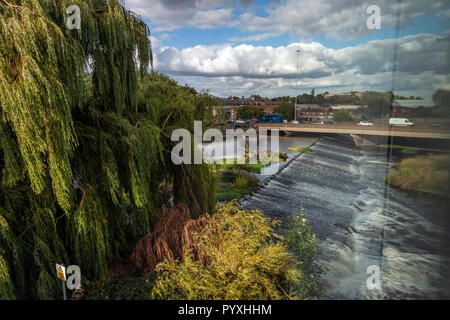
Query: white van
(400,122)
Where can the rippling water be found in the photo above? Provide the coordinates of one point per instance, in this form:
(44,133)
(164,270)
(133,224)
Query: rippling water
(360,221)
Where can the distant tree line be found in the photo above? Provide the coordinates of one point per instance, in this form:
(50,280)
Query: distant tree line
(441,98)
(373,104)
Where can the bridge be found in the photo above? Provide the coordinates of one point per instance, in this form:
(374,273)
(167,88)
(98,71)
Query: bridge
(362,134)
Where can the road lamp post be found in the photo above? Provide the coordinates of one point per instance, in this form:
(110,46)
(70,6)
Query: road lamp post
(295,105)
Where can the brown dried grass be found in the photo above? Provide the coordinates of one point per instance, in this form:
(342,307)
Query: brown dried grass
(174,230)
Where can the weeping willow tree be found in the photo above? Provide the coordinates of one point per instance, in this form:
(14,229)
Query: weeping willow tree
(84,141)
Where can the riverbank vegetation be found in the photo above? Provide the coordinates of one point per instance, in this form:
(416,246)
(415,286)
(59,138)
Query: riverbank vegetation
(306,149)
(234,180)
(235,184)
(426,173)
(412,150)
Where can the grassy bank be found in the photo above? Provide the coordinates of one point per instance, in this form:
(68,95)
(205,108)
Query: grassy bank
(234,184)
(234,180)
(408,150)
(427,173)
(301,149)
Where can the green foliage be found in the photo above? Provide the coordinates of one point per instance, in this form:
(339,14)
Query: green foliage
(306,150)
(302,149)
(286,109)
(225,194)
(342,116)
(228,176)
(428,173)
(6,286)
(250,112)
(305,99)
(136,287)
(242,184)
(245,260)
(254,167)
(378,103)
(85,141)
(301,241)
(344,99)
(249,167)
(441,98)
(409,151)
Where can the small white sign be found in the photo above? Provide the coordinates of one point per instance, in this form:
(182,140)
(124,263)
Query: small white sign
(60,272)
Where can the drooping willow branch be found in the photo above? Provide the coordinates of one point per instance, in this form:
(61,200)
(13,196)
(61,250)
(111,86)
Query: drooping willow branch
(83,152)
(10,5)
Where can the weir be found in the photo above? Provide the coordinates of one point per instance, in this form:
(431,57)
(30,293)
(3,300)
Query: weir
(361,222)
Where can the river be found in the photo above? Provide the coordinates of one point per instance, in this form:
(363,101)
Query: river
(360,221)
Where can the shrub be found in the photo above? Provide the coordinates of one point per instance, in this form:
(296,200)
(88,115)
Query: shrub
(243,259)
(135,287)
(301,241)
(228,176)
(241,182)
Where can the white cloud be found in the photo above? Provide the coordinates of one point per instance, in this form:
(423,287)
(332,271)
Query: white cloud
(168,15)
(421,52)
(340,19)
(422,64)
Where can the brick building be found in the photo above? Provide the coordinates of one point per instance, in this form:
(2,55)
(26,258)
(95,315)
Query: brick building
(407,108)
(314,112)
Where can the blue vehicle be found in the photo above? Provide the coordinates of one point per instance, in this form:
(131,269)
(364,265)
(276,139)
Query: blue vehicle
(271,118)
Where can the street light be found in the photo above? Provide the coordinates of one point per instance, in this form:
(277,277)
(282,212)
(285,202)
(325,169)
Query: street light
(295,105)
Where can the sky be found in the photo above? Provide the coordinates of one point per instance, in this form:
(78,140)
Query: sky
(244,47)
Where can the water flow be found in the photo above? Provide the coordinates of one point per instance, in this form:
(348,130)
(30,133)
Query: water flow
(359,222)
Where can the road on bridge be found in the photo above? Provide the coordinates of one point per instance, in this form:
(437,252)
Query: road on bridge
(418,131)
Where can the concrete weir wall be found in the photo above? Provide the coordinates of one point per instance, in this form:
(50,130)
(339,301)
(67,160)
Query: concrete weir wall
(366,141)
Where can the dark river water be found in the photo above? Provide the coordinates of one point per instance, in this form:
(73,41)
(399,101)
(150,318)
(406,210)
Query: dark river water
(361,222)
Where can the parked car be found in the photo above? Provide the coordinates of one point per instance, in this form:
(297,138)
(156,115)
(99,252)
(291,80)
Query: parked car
(231,121)
(330,122)
(435,125)
(303,122)
(365,123)
(319,122)
(294,122)
(400,122)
